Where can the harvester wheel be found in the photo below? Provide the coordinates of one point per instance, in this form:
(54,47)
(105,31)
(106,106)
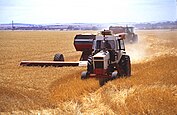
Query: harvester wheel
(84,75)
(58,57)
(125,66)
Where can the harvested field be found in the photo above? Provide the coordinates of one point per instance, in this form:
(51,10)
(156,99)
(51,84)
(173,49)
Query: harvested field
(152,88)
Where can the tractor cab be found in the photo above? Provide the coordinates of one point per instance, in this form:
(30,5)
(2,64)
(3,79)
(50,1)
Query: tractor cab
(105,40)
(109,42)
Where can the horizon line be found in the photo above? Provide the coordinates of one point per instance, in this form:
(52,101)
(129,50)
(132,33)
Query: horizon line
(90,22)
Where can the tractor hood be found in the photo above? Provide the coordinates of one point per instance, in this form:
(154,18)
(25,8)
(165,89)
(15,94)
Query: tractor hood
(101,59)
(102,54)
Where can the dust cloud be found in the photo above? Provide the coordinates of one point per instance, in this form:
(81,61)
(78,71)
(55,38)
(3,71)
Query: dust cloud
(150,46)
(138,52)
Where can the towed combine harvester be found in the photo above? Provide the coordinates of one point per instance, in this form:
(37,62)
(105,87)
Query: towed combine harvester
(103,54)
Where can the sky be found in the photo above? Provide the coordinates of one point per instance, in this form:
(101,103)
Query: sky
(86,11)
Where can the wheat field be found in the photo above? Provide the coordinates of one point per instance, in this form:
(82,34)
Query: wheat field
(152,88)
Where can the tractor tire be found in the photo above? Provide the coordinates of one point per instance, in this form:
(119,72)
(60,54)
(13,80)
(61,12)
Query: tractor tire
(125,66)
(114,75)
(110,69)
(84,75)
(90,64)
(58,57)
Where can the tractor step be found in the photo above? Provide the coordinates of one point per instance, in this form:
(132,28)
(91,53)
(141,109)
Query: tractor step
(53,63)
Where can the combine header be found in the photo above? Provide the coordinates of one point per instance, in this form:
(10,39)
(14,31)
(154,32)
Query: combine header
(81,43)
(103,54)
(52,63)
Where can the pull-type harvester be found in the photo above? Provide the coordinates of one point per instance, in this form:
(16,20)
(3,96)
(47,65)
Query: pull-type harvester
(103,54)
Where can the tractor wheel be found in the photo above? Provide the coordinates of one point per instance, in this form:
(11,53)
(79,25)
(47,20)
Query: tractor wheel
(110,69)
(58,57)
(84,75)
(90,64)
(114,75)
(125,66)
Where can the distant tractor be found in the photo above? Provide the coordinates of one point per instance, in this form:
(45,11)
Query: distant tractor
(103,54)
(130,36)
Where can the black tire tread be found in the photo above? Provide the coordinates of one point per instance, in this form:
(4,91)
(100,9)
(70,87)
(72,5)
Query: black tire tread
(125,66)
(58,57)
(90,64)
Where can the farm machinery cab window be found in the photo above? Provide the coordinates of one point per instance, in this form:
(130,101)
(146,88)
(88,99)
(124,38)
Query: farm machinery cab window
(121,45)
(99,44)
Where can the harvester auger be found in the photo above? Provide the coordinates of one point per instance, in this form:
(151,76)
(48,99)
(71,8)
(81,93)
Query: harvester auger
(103,54)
